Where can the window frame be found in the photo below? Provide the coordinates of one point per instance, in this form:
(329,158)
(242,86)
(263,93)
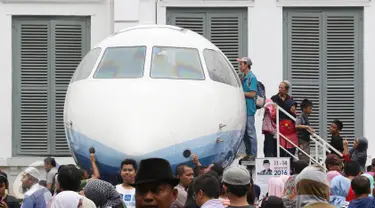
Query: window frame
(94,66)
(169,78)
(228,63)
(102,57)
(234,72)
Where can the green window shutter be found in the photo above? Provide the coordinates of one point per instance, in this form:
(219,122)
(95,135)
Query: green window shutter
(323,60)
(304,60)
(342,47)
(46,52)
(69,49)
(195,22)
(226,31)
(31,120)
(226,28)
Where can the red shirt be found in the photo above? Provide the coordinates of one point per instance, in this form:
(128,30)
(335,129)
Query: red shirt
(351,195)
(346,157)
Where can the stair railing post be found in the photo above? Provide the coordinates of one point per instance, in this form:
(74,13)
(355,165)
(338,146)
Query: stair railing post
(316,151)
(278,130)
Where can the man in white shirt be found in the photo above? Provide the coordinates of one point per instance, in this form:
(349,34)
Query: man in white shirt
(128,172)
(186,175)
(36,195)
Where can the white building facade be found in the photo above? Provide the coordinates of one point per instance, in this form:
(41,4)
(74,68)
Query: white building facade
(323,47)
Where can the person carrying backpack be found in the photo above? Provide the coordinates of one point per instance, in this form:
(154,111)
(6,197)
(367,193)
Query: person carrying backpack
(254,101)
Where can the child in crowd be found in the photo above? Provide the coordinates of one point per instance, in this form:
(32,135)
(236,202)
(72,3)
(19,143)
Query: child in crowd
(303,128)
(336,139)
(361,188)
(288,130)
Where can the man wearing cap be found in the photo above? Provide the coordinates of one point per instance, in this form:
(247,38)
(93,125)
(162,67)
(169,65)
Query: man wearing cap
(36,195)
(333,162)
(249,84)
(236,180)
(154,184)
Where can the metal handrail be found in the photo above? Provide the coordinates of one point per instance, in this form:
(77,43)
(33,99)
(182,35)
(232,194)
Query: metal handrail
(313,134)
(318,141)
(311,158)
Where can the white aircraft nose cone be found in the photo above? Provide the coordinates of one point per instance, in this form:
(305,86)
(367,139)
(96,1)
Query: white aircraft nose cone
(155,117)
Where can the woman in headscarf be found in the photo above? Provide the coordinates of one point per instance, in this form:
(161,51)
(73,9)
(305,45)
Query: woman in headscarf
(275,187)
(340,187)
(331,175)
(290,187)
(312,188)
(371,182)
(103,194)
(269,130)
(67,199)
(359,152)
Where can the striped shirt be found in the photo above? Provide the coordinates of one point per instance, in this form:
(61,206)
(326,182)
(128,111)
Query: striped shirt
(213,203)
(226,202)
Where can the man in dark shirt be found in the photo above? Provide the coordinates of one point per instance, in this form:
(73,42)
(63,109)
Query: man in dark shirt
(281,98)
(336,140)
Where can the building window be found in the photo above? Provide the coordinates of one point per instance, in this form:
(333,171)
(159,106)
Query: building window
(176,63)
(122,62)
(46,52)
(87,65)
(323,60)
(224,27)
(218,68)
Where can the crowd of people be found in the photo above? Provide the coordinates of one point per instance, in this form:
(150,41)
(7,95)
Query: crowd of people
(296,128)
(152,184)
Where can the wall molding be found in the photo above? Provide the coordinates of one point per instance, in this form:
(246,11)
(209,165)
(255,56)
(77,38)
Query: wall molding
(26,161)
(323,3)
(50,1)
(206,3)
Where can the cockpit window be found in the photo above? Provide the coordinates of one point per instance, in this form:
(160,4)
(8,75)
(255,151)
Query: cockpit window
(219,69)
(87,64)
(176,63)
(122,62)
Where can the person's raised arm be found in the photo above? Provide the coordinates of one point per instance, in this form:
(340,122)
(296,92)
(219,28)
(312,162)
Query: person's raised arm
(95,169)
(196,160)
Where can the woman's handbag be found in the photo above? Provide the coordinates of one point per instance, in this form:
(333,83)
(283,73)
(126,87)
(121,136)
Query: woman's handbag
(268,125)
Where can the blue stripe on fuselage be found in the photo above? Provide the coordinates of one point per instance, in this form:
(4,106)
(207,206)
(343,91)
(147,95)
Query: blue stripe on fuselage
(109,159)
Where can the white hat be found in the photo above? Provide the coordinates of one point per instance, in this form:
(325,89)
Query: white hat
(33,172)
(236,175)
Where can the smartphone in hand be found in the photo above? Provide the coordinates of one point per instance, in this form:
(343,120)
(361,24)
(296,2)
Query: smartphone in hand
(92,150)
